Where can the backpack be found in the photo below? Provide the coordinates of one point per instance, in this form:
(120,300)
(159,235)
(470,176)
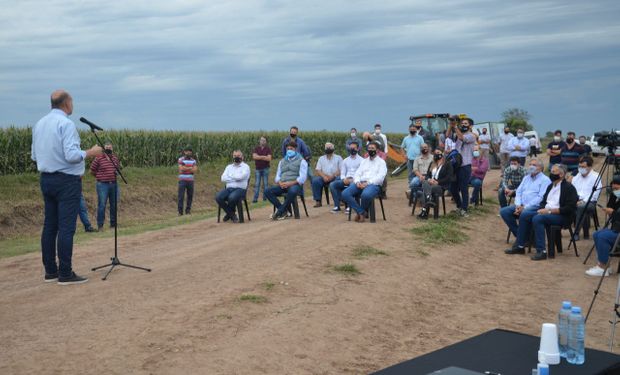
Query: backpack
(455,158)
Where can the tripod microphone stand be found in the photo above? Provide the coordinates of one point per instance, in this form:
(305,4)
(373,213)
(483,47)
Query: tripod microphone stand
(114,261)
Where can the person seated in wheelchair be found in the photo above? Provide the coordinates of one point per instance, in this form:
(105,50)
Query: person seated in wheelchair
(511,179)
(236,176)
(367,182)
(605,238)
(584,183)
(438,178)
(327,171)
(290,177)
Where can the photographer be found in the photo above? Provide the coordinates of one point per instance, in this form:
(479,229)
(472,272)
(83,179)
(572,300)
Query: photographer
(465,146)
(605,238)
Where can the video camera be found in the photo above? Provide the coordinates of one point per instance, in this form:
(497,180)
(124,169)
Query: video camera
(608,139)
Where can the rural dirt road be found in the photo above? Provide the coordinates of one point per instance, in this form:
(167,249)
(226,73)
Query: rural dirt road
(186,317)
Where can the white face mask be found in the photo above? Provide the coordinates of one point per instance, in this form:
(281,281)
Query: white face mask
(583,171)
(519,135)
(377,131)
(353,134)
(513,167)
(557,139)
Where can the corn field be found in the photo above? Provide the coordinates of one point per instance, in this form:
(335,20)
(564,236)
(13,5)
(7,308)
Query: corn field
(142,148)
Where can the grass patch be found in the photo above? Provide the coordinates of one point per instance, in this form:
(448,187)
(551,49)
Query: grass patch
(347,269)
(447,229)
(269,285)
(422,252)
(490,201)
(254,298)
(364,251)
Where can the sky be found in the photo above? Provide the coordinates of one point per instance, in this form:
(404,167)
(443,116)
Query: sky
(249,65)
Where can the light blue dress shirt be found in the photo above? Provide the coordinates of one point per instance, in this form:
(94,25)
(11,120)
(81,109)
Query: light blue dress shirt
(303,171)
(412,145)
(56,145)
(531,190)
(523,143)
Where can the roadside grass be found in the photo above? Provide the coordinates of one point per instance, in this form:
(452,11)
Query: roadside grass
(268,285)
(447,229)
(348,269)
(363,251)
(253,298)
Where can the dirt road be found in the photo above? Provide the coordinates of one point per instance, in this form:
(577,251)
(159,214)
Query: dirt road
(187,317)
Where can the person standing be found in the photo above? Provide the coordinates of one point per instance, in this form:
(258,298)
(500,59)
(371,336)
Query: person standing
(519,146)
(570,153)
(587,150)
(188,166)
(465,147)
(484,140)
(353,139)
(379,134)
(262,156)
(327,171)
(534,146)
(554,149)
(104,170)
(504,142)
(302,148)
(412,144)
(236,176)
(56,151)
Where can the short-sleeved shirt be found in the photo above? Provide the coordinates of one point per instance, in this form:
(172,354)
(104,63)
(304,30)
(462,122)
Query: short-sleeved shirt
(412,144)
(329,166)
(262,151)
(570,157)
(505,141)
(484,138)
(555,146)
(465,147)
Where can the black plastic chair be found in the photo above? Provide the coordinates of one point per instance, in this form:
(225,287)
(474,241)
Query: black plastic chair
(239,210)
(436,205)
(371,209)
(554,237)
(479,202)
(295,205)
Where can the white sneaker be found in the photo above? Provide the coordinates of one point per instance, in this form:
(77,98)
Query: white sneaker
(347,210)
(597,271)
(335,210)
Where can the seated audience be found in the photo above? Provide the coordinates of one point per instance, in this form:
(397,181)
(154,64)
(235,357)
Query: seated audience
(421,166)
(236,176)
(605,238)
(347,172)
(438,179)
(584,183)
(479,168)
(512,177)
(290,178)
(327,170)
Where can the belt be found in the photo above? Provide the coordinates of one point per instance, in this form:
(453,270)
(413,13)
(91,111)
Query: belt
(106,182)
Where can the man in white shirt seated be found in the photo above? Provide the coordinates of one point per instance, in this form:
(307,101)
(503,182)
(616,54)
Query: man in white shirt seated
(236,177)
(347,172)
(583,183)
(327,170)
(366,183)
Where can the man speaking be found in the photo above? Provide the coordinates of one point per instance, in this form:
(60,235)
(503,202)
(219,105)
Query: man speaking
(56,150)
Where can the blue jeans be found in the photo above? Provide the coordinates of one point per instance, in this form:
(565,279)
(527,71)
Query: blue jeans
(317,187)
(260,175)
(336,187)
(273,192)
(501,197)
(604,239)
(540,222)
(228,198)
(367,195)
(84,213)
(523,227)
(476,183)
(107,192)
(460,187)
(415,184)
(61,196)
(185,186)
(410,173)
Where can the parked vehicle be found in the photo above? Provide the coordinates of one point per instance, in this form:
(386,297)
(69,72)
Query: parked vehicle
(596,149)
(495,129)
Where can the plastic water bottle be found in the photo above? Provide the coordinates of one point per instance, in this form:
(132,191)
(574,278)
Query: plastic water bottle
(563,327)
(576,337)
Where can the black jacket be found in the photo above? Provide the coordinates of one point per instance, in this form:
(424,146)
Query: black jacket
(568,200)
(615,216)
(446,174)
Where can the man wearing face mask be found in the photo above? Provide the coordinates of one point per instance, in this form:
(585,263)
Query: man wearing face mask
(236,176)
(587,150)
(465,146)
(504,142)
(187,169)
(262,161)
(437,179)
(571,152)
(302,148)
(353,138)
(583,183)
(103,168)
(412,144)
(519,146)
(554,149)
(379,134)
(511,179)
(327,170)
(484,140)
(347,172)
(479,168)
(290,177)
(366,183)
(556,208)
(528,196)
(421,166)
(605,238)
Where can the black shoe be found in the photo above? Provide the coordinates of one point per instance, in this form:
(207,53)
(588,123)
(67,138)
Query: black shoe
(539,256)
(423,215)
(50,277)
(188,212)
(100,228)
(235,219)
(226,217)
(254,200)
(90,230)
(515,250)
(73,279)
(180,213)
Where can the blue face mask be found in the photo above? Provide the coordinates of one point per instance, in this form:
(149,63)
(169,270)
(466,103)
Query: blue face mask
(291,153)
(617,193)
(532,169)
(476,154)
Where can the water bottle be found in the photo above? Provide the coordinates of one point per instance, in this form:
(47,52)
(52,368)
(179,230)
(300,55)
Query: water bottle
(563,327)
(576,337)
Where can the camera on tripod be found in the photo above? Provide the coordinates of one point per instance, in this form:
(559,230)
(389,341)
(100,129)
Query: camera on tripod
(607,139)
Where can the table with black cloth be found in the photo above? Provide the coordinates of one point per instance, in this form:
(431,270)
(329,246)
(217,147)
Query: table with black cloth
(503,352)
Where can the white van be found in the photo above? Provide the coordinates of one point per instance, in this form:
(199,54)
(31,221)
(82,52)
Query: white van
(533,134)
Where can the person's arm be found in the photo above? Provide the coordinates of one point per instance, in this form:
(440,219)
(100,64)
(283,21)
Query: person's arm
(343,171)
(511,145)
(33,155)
(543,191)
(339,163)
(195,166)
(379,174)
(284,142)
(506,177)
(597,192)
(519,192)
(319,167)
(269,155)
(303,172)
(484,166)
(305,150)
(71,144)
(245,173)
(226,175)
(403,144)
(278,173)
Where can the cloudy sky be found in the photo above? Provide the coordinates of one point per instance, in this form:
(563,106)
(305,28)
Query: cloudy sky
(223,65)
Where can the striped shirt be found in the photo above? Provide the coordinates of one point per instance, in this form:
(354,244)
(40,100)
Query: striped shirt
(183,162)
(103,169)
(570,156)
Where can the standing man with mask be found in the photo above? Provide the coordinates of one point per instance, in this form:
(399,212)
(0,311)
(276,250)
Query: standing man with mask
(504,142)
(412,144)
(327,170)
(56,150)
(570,153)
(262,160)
(379,134)
(554,149)
(236,176)
(187,168)
(351,139)
(465,146)
(302,148)
(587,150)
(104,170)
(519,146)
(290,177)
(484,140)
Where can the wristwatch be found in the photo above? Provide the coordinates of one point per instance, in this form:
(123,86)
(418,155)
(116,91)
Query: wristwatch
(549,211)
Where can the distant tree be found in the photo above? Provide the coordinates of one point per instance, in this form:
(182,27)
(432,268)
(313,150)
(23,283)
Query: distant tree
(517,118)
(549,134)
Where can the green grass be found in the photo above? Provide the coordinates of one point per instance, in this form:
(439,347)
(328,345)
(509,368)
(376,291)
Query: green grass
(363,251)
(347,269)
(447,229)
(268,285)
(254,298)
(490,201)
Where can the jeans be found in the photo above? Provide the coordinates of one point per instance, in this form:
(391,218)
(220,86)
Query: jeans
(460,187)
(84,213)
(367,195)
(540,223)
(61,196)
(476,183)
(521,231)
(273,192)
(410,173)
(501,197)
(317,186)
(604,239)
(260,175)
(107,191)
(585,224)
(415,184)
(228,198)
(336,188)
(184,186)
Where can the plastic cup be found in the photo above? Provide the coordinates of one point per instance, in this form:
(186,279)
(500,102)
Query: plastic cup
(549,351)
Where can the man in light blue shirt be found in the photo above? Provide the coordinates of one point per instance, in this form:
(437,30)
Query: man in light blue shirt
(56,150)
(519,146)
(412,144)
(529,194)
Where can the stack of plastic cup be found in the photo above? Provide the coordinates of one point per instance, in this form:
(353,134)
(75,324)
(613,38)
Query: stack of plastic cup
(549,351)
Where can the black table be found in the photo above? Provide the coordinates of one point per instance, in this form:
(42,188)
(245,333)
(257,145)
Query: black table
(504,352)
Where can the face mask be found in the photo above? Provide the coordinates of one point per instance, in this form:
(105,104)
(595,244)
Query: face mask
(293,135)
(617,193)
(476,154)
(569,140)
(372,152)
(353,135)
(425,151)
(237,159)
(291,153)
(438,156)
(532,169)
(484,132)
(554,177)
(353,151)
(464,129)
(514,167)
(557,139)
(519,135)
(377,131)
(108,151)
(329,151)
(412,132)
(506,131)
(583,171)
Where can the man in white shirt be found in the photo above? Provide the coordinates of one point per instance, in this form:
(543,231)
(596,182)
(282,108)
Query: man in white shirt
(584,182)
(236,176)
(378,133)
(366,183)
(484,140)
(504,152)
(519,146)
(347,172)
(327,170)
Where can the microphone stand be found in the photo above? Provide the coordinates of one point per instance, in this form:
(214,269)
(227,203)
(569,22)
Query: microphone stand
(114,261)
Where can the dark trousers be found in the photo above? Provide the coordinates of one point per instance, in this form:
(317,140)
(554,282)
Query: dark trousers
(228,198)
(107,192)
(273,192)
(61,196)
(460,187)
(185,186)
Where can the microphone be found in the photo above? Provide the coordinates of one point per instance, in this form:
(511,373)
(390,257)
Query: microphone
(92,126)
